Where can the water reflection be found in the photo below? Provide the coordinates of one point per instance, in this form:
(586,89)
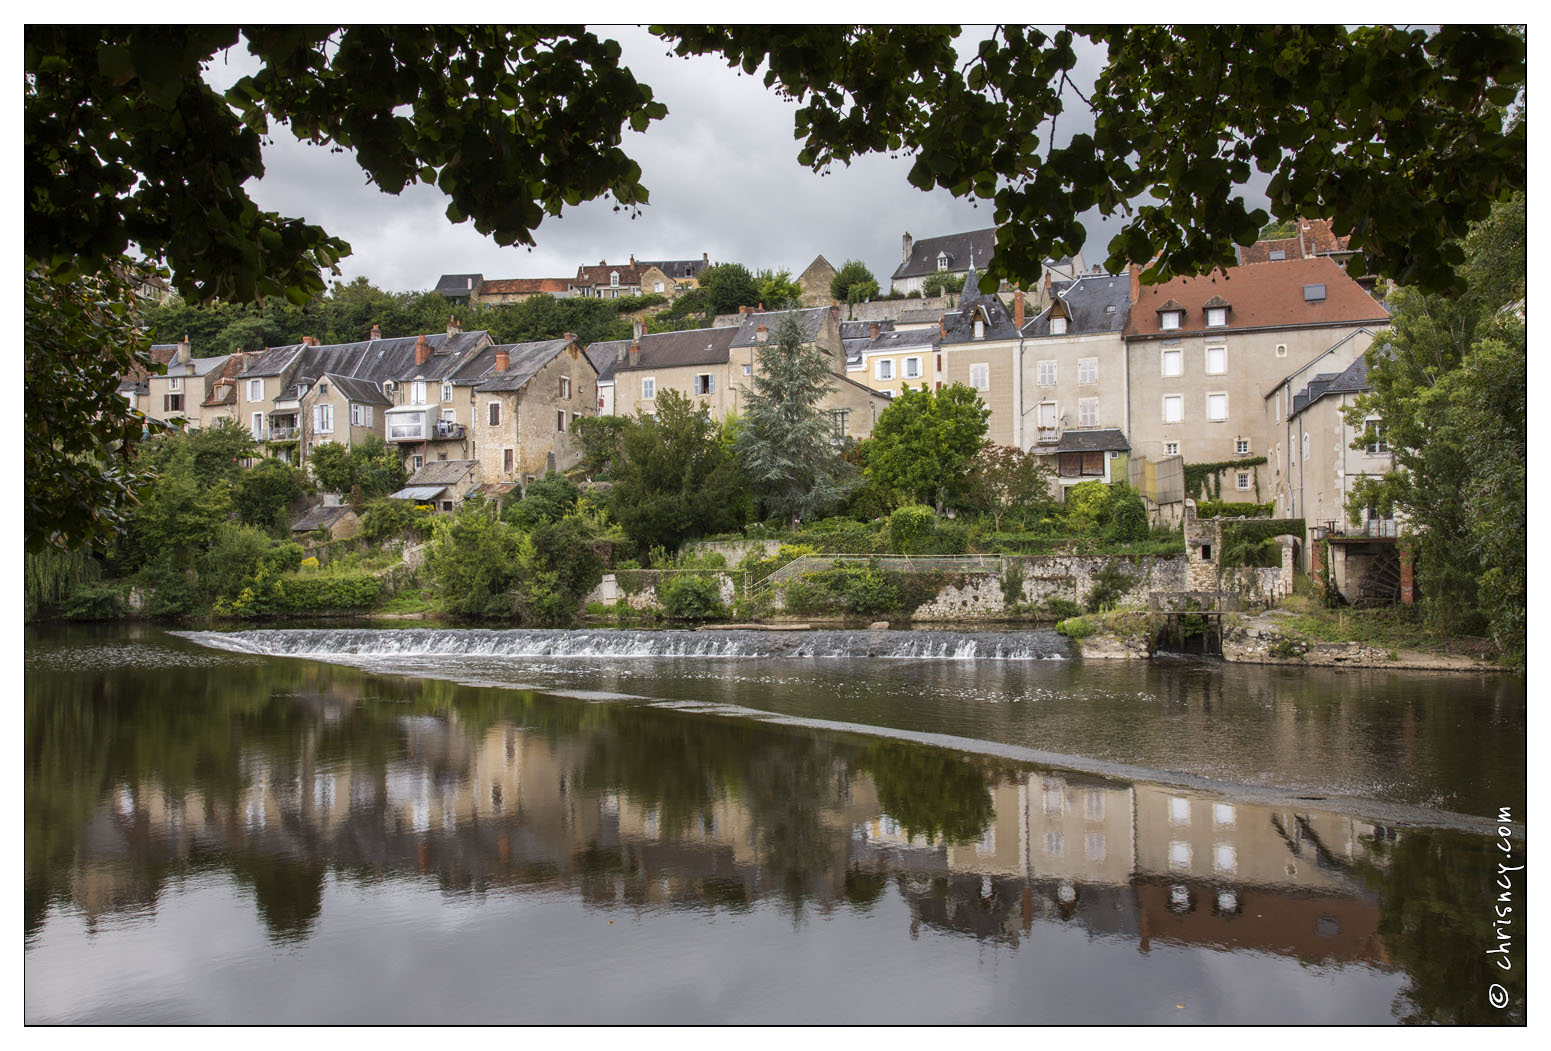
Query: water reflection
(282,775)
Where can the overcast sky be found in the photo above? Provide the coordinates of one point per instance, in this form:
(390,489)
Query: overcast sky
(722,172)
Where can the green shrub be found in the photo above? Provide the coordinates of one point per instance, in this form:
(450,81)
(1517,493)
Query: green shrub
(909,527)
(691,596)
(1111,583)
(95,600)
(391,518)
(1224,509)
(1062,608)
(1076,627)
(299,595)
(1126,516)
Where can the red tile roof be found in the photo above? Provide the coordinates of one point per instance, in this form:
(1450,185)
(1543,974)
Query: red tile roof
(1260,296)
(629,274)
(1314,238)
(514,286)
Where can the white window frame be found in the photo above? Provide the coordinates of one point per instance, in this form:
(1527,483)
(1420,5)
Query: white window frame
(1171,320)
(1241,447)
(323,418)
(912,368)
(1178,358)
(1047,373)
(1217,394)
(1222,361)
(884,369)
(1379,447)
(1171,448)
(648,388)
(1216,317)
(1087,370)
(446,392)
(1246,481)
(258,425)
(418,461)
(657,286)
(449,415)
(1179,408)
(565,387)
(417,392)
(255,390)
(175,384)
(1058,326)
(980,375)
(560,421)
(1087,412)
(708,388)
(942,262)
(1054,416)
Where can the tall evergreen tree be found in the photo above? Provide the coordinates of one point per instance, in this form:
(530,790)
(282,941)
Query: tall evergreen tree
(789,446)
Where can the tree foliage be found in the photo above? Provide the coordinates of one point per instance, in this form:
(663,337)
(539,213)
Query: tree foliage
(1449,393)
(777,290)
(789,446)
(1006,480)
(923,444)
(728,286)
(676,477)
(853,283)
(372,464)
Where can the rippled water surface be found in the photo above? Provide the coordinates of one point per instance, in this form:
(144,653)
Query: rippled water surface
(434,825)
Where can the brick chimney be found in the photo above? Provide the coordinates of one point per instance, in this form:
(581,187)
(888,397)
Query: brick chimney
(185,352)
(1017,308)
(453,328)
(569,337)
(635,353)
(422,351)
(632,259)
(1136,283)
(376,332)
(503,360)
(872,330)
(942,327)
(908,242)
(761,334)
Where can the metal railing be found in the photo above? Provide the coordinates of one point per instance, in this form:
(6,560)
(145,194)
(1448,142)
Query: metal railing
(1375,527)
(283,434)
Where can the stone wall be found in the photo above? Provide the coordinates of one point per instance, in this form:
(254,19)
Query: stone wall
(1045,577)
(639,589)
(734,551)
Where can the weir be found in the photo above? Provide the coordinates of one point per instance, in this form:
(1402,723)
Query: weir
(614,645)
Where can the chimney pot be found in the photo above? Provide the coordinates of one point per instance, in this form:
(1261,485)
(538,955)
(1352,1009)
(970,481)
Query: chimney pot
(422,351)
(453,328)
(503,360)
(761,334)
(185,352)
(376,331)
(872,330)
(942,327)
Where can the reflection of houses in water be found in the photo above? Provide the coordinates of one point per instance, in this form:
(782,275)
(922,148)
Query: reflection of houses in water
(1049,825)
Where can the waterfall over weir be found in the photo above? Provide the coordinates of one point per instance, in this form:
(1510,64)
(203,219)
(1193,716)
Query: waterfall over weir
(615,645)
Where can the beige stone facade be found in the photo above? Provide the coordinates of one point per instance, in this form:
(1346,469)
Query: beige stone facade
(989,368)
(524,413)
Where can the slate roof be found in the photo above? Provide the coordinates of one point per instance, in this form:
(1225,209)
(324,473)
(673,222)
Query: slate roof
(863,329)
(663,350)
(603,356)
(1093,304)
(1261,297)
(363,392)
(458,285)
(810,320)
(960,324)
(918,316)
(526,360)
(202,366)
(1093,441)
(676,268)
(441,472)
(1351,380)
(271,362)
(959,248)
(373,360)
(320,516)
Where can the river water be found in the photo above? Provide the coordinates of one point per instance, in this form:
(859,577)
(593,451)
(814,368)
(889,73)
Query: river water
(437,825)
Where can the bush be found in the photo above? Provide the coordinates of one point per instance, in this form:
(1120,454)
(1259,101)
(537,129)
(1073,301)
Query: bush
(328,594)
(1126,519)
(1086,504)
(1062,608)
(97,600)
(391,518)
(909,527)
(691,596)
(1076,627)
(1108,587)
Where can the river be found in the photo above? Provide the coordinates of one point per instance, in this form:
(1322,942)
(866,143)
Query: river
(346,824)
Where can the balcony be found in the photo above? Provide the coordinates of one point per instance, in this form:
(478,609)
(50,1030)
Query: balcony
(283,434)
(1373,527)
(1047,435)
(446,430)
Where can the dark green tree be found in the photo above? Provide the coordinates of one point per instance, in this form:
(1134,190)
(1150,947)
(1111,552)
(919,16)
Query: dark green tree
(853,282)
(789,446)
(777,290)
(473,561)
(546,500)
(728,286)
(676,478)
(923,444)
(265,494)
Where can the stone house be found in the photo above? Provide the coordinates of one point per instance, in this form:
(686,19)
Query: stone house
(221,402)
(980,346)
(1204,353)
(339,519)
(432,412)
(178,394)
(442,484)
(683,273)
(340,409)
(957,254)
(518,289)
(135,385)
(815,282)
(527,399)
(887,359)
(460,288)
(610,282)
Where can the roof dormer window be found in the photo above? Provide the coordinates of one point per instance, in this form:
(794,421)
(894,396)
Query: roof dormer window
(613,279)
(980,329)
(1216,312)
(1313,293)
(1057,325)
(1171,315)
(942,261)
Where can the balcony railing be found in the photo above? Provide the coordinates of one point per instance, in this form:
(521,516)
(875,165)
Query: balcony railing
(1047,435)
(1377,527)
(283,434)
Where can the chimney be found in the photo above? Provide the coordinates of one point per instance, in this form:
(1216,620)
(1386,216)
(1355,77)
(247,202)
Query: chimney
(761,334)
(453,328)
(872,330)
(638,330)
(185,352)
(909,242)
(376,331)
(422,351)
(569,337)
(503,359)
(635,353)
(942,327)
(632,259)
(1017,308)
(1136,284)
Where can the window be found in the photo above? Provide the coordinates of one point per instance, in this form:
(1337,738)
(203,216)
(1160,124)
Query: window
(1216,317)
(494,409)
(1224,857)
(942,261)
(1313,293)
(446,392)
(565,387)
(1096,849)
(1244,481)
(1305,446)
(1171,448)
(449,415)
(613,279)
(1087,412)
(1241,447)
(172,403)
(705,383)
(748,370)
(1281,350)
(1169,319)
(657,286)
(255,390)
(417,393)
(980,376)
(1278,254)
(1053,843)
(446,505)
(360,415)
(1216,361)
(1173,408)
(842,418)
(1217,407)
(508,460)
(175,383)
(912,368)
(323,418)
(980,329)
(1047,374)
(1058,326)
(1378,445)
(418,461)
(1223,815)
(1173,362)
(1179,855)
(560,421)
(1093,805)
(648,388)
(1088,370)
(885,369)
(258,425)
(1179,810)
(1080,465)
(406,426)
